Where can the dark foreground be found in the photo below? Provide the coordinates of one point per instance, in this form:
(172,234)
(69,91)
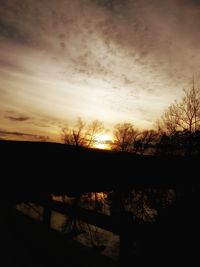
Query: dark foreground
(29,243)
(33,171)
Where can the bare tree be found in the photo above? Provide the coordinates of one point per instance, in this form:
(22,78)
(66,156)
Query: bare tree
(82,134)
(75,136)
(190,108)
(94,130)
(170,120)
(125,135)
(183,115)
(145,140)
(179,123)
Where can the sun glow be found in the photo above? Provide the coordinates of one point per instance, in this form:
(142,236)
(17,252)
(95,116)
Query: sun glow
(103,141)
(99,196)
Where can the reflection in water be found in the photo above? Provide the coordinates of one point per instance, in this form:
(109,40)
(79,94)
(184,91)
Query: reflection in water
(32,210)
(98,201)
(144,205)
(91,236)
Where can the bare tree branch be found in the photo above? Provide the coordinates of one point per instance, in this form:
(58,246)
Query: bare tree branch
(125,135)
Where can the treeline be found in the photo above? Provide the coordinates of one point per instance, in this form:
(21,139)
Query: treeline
(177,132)
(179,126)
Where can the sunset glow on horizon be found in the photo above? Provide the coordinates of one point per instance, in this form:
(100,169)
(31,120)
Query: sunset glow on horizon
(104,141)
(112,61)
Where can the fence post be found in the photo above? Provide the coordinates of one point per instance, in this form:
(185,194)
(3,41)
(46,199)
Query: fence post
(47,212)
(126,238)
(125,222)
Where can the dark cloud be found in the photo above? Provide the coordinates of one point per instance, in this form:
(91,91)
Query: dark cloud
(21,135)
(140,48)
(113,5)
(147,28)
(126,80)
(18,118)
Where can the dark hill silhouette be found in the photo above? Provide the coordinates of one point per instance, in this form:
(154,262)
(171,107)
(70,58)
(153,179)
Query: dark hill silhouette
(40,168)
(34,170)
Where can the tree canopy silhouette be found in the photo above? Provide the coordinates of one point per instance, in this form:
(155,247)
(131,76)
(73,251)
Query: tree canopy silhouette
(183,115)
(82,134)
(125,135)
(180,124)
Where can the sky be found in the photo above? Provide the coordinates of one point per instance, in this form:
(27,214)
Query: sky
(111,60)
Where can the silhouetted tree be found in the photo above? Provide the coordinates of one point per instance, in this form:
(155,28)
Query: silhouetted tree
(196,143)
(75,136)
(125,135)
(94,130)
(146,139)
(183,115)
(82,134)
(179,123)
(173,144)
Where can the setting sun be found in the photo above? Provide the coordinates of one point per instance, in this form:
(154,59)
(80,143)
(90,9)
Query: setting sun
(103,142)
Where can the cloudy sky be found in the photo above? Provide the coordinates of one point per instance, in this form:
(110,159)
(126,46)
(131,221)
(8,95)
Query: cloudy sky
(112,60)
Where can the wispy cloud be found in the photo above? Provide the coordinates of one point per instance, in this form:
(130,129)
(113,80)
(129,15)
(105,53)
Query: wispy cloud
(104,59)
(21,135)
(18,118)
